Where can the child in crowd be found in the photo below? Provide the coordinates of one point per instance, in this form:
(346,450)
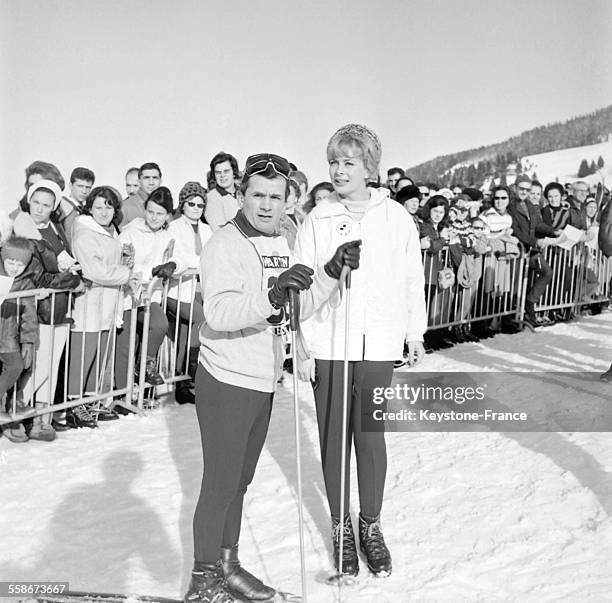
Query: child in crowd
(18,326)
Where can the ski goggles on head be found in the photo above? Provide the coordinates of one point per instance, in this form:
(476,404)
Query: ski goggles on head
(257,164)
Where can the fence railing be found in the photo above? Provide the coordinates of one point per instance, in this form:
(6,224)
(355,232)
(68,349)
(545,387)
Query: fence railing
(87,352)
(92,346)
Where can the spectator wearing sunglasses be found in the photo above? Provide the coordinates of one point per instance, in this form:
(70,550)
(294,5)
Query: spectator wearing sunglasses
(531,230)
(222,205)
(190,235)
(247,272)
(425,192)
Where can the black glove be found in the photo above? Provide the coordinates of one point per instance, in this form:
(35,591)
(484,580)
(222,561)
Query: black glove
(346,255)
(298,278)
(164,270)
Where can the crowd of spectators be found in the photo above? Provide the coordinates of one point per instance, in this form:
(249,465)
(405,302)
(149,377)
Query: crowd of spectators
(98,249)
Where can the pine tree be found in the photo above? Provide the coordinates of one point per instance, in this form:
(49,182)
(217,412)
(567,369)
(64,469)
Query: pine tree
(592,167)
(583,170)
(600,162)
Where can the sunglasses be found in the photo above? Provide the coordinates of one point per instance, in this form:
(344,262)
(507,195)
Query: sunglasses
(257,164)
(194,204)
(477,227)
(500,198)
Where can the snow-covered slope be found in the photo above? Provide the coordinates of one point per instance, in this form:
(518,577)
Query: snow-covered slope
(564,164)
(467,516)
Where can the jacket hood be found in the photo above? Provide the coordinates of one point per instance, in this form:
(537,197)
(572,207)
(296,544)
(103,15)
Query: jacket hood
(24,226)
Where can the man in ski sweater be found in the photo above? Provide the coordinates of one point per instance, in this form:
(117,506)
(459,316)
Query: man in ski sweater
(246,273)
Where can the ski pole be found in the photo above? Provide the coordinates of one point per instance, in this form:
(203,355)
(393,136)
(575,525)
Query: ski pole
(346,272)
(294,313)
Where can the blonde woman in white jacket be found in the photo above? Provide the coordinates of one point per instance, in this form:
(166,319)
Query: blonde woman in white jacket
(190,235)
(387,309)
(153,247)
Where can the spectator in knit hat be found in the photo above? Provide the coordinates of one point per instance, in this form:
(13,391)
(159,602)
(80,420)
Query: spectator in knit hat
(190,235)
(222,205)
(18,329)
(410,197)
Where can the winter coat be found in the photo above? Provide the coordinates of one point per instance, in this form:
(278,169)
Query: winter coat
(151,249)
(99,253)
(240,342)
(496,222)
(577,214)
(557,217)
(18,320)
(183,234)
(221,207)
(44,271)
(133,207)
(604,236)
(432,260)
(527,224)
(387,291)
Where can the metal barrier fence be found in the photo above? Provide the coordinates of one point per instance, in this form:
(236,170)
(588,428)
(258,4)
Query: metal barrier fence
(94,340)
(76,364)
(481,287)
(579,276)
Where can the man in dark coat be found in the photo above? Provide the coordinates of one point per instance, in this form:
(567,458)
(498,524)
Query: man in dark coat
(530,229)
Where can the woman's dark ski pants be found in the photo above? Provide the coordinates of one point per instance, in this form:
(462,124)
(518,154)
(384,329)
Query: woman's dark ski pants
(233,426)
(370,448)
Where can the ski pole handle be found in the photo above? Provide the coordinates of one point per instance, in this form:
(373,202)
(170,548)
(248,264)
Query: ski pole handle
(345,277)
(294,309)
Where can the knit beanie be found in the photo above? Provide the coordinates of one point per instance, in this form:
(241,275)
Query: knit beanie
(48,184)
(473,193)
(408,192)
(16,248)
(191,189)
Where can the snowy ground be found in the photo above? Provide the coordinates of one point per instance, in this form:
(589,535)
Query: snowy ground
(467,516)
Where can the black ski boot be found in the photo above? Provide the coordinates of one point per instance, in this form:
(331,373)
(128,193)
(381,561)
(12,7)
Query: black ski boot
(350,560)
(208,586)
(183,393)
(372,545)
(242,582)
(607,376)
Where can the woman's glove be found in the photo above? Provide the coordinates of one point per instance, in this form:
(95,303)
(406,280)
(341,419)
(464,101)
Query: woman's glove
(164,271)
(298,278)
(346,255)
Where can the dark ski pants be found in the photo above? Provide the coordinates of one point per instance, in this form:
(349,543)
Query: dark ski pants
(542,277)
(187,329)
(370,448)
(12,367)
(158,327)
(233,426)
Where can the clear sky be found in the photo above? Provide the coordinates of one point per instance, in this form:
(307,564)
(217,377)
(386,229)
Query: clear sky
(109,84)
